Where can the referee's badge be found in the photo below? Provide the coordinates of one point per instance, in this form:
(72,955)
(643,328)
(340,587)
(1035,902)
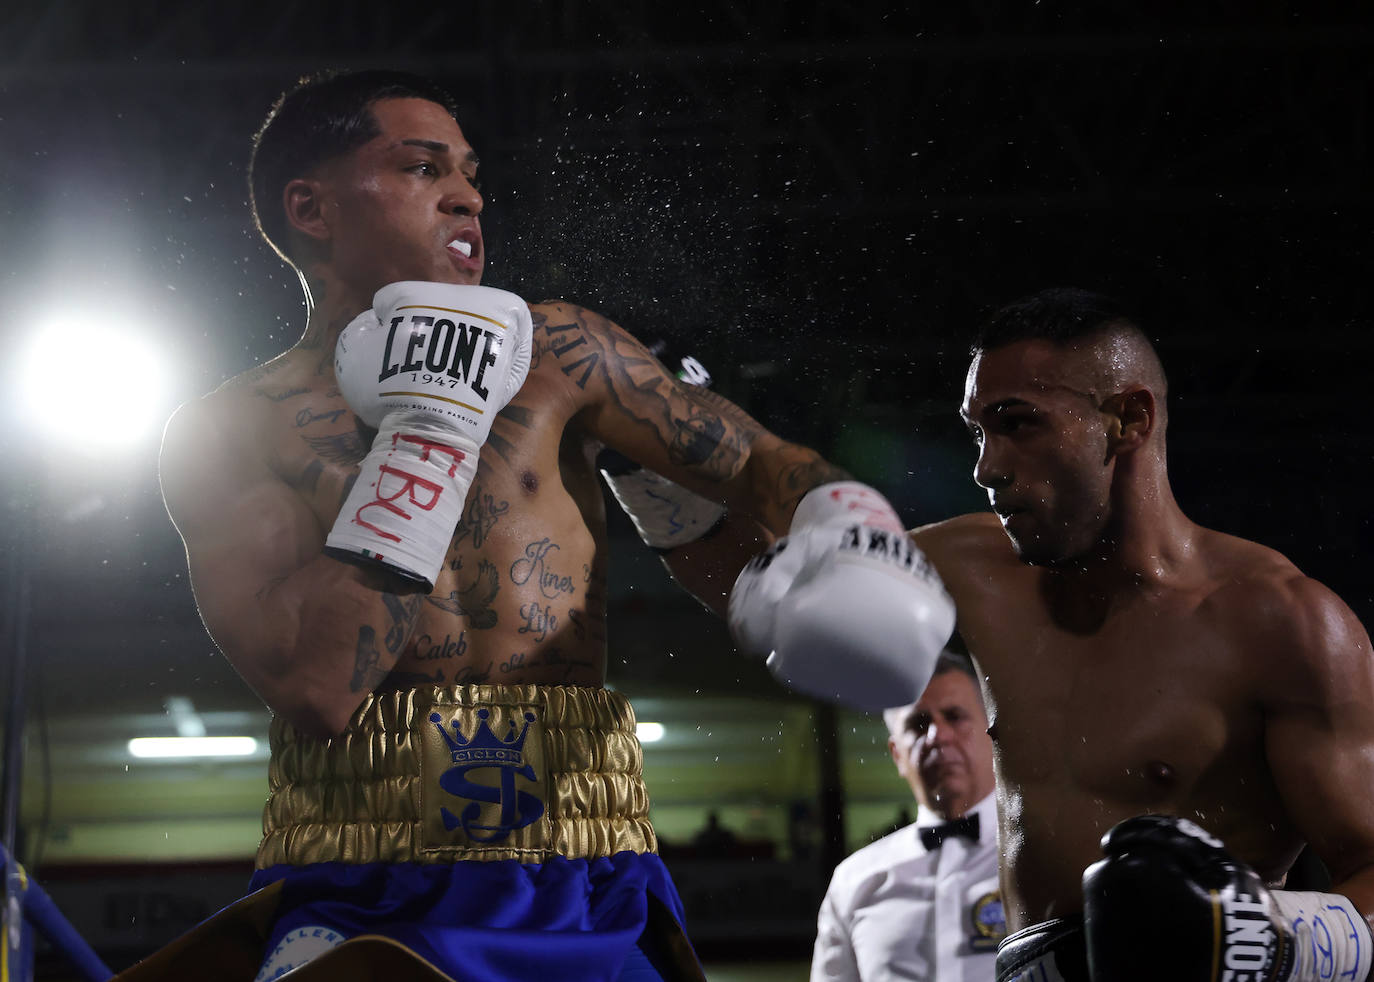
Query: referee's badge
(989,922)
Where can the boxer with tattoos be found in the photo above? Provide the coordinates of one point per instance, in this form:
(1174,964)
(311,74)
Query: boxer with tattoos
(396,535)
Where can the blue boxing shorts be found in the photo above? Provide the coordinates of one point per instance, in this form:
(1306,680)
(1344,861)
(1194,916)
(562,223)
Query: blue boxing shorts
(497,832)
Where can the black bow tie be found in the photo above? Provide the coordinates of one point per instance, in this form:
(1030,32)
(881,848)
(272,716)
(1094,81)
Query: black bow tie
(933,835)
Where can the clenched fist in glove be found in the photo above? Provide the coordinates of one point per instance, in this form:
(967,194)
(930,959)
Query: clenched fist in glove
(844,607)
(430,366)
(1169,902)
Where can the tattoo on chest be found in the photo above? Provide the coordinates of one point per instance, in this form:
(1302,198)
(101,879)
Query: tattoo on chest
(512,423)
(480,516)
(472,675)
(309,478)
(540,620)
(533,566)
(341,448)
(427,649)
(548,658)
(474,601)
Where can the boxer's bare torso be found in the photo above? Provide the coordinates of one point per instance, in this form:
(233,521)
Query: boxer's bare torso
(1211,691)
(515,601)
(521,597)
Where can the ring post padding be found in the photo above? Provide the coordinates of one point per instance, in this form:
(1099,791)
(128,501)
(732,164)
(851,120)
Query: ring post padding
(33,905)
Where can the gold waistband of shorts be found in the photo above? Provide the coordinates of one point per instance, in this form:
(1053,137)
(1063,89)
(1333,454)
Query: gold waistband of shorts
(373,793)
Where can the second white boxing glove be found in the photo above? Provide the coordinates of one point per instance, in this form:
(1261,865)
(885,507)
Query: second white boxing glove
(665,514)
(845,607)
(430,365)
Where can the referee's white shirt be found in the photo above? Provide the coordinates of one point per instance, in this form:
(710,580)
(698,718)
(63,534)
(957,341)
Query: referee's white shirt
(897,911)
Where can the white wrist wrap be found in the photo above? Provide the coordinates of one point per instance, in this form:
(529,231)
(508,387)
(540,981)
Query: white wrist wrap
(665,514)
(845,501)
(408,497)
(1331,939)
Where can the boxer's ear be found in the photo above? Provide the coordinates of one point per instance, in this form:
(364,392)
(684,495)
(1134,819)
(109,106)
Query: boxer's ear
(1131,418)
(303,201)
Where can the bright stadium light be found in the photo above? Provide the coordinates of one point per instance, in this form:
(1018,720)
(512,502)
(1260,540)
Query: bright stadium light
(93,382)
(649,732)
(185,748)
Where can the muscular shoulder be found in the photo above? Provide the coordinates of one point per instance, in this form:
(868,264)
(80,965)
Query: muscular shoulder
(966,549)
(574,342)
(1307,635)
(218,439)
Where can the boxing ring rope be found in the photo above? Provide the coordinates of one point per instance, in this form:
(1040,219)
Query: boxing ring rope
(28,908)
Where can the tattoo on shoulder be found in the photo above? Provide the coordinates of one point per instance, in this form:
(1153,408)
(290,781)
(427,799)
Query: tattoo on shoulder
(576,353)
(281,396)
(480,515)
(519,415)
(538,343)
(256,375)
(309,478)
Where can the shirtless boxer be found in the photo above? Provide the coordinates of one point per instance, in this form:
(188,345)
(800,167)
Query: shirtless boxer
(1135,663)
(396,535)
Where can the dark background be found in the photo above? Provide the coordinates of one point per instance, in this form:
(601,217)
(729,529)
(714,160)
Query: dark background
(819,199)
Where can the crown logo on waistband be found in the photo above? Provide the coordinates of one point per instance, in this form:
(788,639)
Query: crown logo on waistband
(485,747)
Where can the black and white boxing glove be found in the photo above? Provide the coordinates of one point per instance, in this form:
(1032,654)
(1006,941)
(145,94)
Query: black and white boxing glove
(430,366)
(665,514)
(844,607)
(1169,902)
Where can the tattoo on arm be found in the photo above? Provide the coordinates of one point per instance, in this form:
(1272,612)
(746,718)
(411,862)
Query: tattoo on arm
(403,611)
(700,430)
(367,662)
(795,480)
(370,667)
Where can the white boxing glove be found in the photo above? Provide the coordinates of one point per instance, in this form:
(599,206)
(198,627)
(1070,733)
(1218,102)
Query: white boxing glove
(844,607)
(665,514)
(430,365)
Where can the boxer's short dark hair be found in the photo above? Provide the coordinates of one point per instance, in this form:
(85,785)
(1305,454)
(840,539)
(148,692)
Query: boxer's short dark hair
(321,117)
(1061,315)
